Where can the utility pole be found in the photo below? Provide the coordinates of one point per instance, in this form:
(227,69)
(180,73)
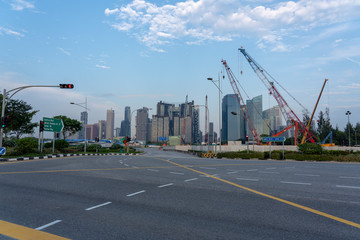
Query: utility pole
(348,113)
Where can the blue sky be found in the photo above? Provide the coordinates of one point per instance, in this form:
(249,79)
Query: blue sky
(136,53)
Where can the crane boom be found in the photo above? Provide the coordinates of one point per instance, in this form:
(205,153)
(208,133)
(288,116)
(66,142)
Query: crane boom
(241,101)
(287,112)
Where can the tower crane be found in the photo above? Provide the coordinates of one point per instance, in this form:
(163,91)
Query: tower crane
(241,101)
(287,112)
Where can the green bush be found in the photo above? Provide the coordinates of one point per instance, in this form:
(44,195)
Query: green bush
(10,142)
(310,148)
(116,146)
(243,155)
(349,158)
(60,144)
(93,147)
(27,145)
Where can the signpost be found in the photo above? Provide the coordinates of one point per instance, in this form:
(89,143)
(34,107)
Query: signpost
(2,151)
(53,125)
(275,139)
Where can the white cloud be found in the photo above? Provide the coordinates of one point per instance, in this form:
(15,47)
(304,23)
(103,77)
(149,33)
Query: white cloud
(19,5)
(211,20)
(64,51)
(102,66)
(10,32)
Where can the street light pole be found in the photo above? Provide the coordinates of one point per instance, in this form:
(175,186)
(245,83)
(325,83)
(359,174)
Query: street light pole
(16,90)
(86,113)
(348,113)
(220,92)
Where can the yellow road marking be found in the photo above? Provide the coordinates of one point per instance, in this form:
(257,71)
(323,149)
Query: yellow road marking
(25,233)
(272,197)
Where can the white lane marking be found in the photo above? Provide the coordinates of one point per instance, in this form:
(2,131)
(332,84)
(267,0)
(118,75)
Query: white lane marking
(179,173)
(231,172)
(166,185)
(307,175)
(353,187)
(189,180)
(133,194)
(48,225)
(208,168)
(126,164)
(153,170)
(203,176)
(350,177)
(248,179)
(135,167)
(251,170)
(298,183)
(100,205)
(269,172)
(270,168)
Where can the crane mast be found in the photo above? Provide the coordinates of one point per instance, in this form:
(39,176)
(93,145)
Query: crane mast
(287,112)
(241,101)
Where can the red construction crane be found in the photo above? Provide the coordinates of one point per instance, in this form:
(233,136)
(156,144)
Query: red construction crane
(241,101)
(287,112)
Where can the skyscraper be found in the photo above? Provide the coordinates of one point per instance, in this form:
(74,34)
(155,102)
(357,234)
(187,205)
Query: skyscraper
(233,126)
(272,120)
(125,124)
(110,118)
(142,120)
(102,129)
(254,107)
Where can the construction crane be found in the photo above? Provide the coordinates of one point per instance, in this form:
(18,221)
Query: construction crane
(312,115)
(242,104)
(287,112)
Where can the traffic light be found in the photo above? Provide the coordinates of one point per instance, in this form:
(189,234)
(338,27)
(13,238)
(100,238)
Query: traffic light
(41,126)
(66,85)
(247,137)
(5,121)
(97,139)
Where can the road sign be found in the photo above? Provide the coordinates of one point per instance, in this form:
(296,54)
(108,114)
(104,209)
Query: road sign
(162,138)
(53,124)
(2,151)
(274,139)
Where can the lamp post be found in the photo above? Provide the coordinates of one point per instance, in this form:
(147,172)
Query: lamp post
(208,123)
(16,90)
(220,92)
(86,112)
(348,113)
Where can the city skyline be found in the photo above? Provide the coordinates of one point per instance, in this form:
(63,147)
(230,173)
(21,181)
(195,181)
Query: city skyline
(115,59)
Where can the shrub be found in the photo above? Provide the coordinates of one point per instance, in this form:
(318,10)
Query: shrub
(93,147)
(10,142)
(27,145)
(60,144)
(310,148)
(115,146)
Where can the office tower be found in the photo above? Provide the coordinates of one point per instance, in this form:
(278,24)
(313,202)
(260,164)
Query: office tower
(102,129)
(110,118)
(84,117)
(272,120)
(142,121)
(254,107)
(196,125)
(125,128)
(211,133)
(84,121)
(233,126)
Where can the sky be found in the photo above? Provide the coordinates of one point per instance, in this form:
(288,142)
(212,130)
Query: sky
(137,53)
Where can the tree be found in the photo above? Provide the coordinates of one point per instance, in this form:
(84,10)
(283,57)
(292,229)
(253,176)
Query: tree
(71,126)
(21,115)
(324,125)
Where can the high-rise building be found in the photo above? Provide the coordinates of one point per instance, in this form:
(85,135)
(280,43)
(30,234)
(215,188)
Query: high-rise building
(102,129)
(254,107)
(233,125)
(272,120)
(142,122)
(211,133)
(110,118)
(125,128)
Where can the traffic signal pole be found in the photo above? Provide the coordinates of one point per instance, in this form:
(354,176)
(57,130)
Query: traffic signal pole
(16,90)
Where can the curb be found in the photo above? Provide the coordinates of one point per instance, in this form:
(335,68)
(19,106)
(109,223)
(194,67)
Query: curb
(62,155)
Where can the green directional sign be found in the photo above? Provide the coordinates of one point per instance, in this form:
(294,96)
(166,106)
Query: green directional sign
(53,125)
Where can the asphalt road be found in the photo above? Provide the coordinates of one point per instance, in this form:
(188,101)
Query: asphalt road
(169,195)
